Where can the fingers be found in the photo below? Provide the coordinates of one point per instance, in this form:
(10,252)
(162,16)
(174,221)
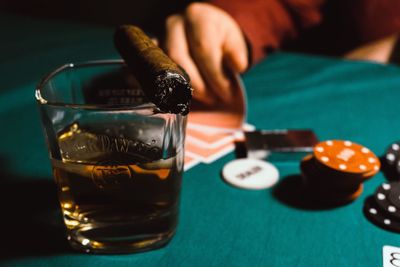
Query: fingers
(210,46)
(205,48)
(217,45)
(176,46)
(235,53)
(209,62)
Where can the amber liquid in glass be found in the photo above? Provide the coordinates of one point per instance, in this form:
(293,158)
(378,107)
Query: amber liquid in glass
(113,201)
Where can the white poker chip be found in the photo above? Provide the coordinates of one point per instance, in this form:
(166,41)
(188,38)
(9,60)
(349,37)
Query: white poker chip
(250,173)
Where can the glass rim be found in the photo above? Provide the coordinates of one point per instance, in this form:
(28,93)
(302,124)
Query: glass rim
(42,101)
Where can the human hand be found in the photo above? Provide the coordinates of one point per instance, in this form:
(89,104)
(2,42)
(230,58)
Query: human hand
(377,51)
(208,43)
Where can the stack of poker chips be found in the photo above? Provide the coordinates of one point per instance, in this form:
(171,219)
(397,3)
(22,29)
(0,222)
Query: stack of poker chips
(383,208)
(334,173)
(391,162)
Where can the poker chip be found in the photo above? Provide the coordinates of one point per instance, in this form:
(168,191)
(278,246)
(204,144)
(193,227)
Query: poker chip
(391,162)
(347,157)
(394,194)
(332,190)
(343,197)
(320,178)
(381,197)
(334,197)
(353,195)
(379,217)
(392,154)
(336,170)
(383,208)
(250,173)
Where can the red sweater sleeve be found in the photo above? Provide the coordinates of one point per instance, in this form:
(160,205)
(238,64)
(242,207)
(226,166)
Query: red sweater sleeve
(266,23)
(374,19)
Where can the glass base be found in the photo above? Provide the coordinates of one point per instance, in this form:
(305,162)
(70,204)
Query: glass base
(120,234)
(127,244)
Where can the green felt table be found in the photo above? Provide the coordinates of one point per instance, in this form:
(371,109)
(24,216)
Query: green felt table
(219,225)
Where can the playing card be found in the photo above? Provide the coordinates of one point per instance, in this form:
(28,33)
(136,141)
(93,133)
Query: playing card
(208,155)
(391,256)
(211,131)
(190,162)
(208,139)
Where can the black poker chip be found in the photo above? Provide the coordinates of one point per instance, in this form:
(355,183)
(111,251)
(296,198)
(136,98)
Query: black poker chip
(381,197)
(392,154)
(394,195)
(378,217)
(397,166)
(391,162)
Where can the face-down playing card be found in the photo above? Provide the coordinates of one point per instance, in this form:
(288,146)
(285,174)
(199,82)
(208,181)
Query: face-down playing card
(211,129)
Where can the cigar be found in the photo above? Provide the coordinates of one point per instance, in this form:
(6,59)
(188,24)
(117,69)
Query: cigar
(163,82)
